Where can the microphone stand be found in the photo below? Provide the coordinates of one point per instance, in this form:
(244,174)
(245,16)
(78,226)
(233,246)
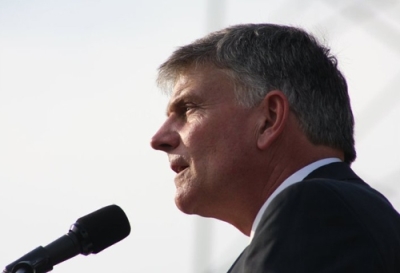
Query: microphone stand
(36,261)
(24,269)
(39,260)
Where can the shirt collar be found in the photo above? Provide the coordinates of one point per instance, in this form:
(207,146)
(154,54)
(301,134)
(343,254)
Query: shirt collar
(296,177)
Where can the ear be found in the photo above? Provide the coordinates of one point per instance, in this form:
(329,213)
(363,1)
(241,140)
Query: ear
(274,116)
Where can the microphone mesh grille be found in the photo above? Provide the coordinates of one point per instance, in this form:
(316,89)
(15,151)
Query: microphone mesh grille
(105,227)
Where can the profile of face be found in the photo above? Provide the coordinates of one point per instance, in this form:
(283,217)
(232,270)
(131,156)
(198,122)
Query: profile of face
(209,139)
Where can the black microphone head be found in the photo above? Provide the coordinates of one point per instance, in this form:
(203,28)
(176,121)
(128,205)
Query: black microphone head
(104,227)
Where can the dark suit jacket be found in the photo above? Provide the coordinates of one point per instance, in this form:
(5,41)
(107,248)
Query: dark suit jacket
(332,221)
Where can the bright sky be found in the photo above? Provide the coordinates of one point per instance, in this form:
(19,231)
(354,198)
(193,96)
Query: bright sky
(78,106)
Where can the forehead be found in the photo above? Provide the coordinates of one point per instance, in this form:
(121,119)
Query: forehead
(204,80)
(205,85)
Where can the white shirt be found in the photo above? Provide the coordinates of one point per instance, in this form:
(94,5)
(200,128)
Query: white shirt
(294,178)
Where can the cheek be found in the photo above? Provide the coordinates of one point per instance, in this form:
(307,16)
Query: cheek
(199,134)
(221,140)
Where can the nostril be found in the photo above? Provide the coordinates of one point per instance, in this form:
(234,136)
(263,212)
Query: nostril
(164,147)
(161,145)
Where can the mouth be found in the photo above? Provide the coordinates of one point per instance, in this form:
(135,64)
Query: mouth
(179,168)
(178,164)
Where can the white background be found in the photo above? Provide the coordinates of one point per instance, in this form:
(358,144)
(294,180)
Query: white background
(79,104)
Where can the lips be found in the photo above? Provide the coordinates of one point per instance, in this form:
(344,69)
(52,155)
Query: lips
(178,164)
(178,169)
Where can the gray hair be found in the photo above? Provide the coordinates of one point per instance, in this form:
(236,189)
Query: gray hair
(265,57)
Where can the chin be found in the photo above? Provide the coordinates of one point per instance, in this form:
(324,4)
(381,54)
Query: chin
(183,206)
(186,203)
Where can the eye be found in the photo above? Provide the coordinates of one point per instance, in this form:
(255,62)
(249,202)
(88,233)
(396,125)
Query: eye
(186,109)
(189,107)
(182,108)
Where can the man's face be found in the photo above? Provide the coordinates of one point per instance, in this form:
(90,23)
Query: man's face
(209,139)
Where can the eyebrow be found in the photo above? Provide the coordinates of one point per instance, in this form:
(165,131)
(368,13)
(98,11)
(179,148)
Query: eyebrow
(172,105)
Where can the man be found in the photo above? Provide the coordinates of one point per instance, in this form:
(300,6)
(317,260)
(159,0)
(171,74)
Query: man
(259,131)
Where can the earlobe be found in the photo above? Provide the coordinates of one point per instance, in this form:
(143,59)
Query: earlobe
(273,117)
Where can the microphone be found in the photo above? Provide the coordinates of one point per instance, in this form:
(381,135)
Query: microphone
(90,234)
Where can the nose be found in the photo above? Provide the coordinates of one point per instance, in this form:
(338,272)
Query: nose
(166,139)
